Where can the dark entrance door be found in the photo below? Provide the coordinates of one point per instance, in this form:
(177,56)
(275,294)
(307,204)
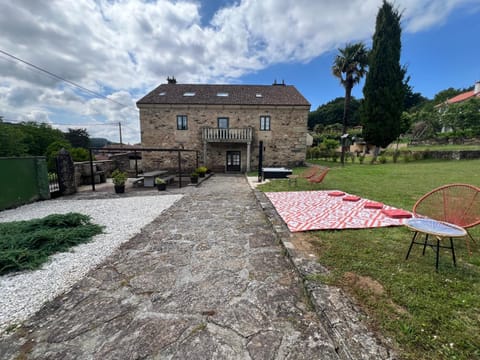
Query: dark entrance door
(233,160)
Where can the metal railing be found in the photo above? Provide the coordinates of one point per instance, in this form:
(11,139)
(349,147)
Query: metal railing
(227,135)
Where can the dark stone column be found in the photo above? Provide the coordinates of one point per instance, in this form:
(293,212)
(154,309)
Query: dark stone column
(66,173)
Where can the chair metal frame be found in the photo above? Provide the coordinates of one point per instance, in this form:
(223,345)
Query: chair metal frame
(447,204)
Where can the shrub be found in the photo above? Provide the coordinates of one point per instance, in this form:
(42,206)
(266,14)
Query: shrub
(119,177)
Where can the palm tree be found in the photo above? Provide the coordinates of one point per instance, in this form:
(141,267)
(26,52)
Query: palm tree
(350,65)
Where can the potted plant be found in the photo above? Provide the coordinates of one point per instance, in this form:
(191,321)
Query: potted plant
(161,184)
(194,178)
(119,178)
(201,171)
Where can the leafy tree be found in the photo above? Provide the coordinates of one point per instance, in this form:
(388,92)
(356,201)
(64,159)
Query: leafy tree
(384,88)
(331,113)
(79,154)
(78,138)
(349,67)
(463,116)
(39,136)
(52,152)
(12,140)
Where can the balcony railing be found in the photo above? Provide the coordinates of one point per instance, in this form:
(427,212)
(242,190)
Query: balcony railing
(243,135)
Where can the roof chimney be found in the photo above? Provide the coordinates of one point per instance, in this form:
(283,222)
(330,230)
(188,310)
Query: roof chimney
(476,91)
(171,80)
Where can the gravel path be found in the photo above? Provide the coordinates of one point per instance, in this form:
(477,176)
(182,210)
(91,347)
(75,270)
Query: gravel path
(22,294)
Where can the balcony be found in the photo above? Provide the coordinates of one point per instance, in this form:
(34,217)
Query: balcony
(241,135)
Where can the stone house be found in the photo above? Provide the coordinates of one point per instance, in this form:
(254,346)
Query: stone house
(225,124)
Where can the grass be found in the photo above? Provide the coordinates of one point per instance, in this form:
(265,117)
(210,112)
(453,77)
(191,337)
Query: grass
(452,147)
(26,245)
(429,315)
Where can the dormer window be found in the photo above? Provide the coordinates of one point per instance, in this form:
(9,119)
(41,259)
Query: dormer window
(189,93)
(222,94)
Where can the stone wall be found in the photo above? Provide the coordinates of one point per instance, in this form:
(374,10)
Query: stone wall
(285,143)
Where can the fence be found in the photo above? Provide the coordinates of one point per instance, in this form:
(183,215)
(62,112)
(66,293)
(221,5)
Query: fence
(23,180)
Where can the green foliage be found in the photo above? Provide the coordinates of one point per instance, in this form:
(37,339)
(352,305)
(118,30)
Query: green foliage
(52,152)
(159,181)
(12,140)
(463,116)
(25,245)
(384,87)
(39,136)
(412,100)
(349,66)
(119,177)
(27,138)
(79,154)
(78,138)
(201,170)
(332,112)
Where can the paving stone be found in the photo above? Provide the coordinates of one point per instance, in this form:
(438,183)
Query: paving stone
(207,279)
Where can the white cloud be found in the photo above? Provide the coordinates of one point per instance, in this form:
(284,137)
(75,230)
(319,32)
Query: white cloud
(125,48)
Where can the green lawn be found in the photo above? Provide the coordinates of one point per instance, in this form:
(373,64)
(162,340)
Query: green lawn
(429,315)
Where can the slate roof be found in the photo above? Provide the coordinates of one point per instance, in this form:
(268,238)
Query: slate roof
(174,94)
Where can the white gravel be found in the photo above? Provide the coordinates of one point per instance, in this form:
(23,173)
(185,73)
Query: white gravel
(22,294)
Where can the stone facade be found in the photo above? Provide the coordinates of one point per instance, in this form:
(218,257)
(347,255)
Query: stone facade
(284,144)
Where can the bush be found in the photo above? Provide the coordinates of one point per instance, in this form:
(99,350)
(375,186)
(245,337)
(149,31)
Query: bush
(119,177)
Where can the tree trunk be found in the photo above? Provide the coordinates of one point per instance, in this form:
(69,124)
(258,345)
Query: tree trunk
(348,93)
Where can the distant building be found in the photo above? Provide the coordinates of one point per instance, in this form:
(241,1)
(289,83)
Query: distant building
(225,124)
(466,95)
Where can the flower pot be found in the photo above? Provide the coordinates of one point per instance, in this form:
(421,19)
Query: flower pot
(201,175)
(120,189)
(194,180)
(162,187)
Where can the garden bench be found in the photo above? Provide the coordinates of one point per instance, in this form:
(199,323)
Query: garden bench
(138,181)
(169,179)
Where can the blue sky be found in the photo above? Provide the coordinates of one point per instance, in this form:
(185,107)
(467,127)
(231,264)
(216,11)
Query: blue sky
(121,50)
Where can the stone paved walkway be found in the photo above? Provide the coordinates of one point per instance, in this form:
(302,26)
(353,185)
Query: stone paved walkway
(205,280)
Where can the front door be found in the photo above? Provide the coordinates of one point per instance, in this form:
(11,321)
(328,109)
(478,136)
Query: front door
(233,161)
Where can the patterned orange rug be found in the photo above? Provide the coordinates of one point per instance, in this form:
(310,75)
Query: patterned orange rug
(332,210)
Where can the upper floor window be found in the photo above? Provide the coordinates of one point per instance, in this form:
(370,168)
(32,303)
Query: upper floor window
(265,123)
(222,123)
(182,123)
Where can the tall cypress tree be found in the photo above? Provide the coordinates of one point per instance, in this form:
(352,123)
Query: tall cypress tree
(384,91)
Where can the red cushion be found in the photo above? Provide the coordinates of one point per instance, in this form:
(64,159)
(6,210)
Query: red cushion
(397,213)
(336,193)
(373,205)
(351,198)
